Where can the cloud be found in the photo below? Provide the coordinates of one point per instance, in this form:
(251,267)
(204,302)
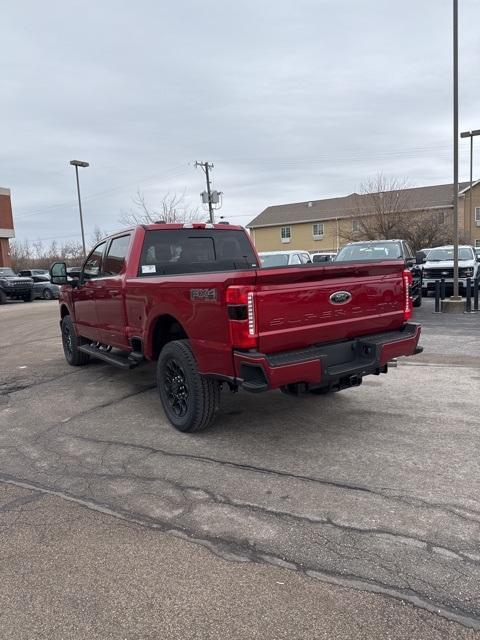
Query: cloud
(291,101)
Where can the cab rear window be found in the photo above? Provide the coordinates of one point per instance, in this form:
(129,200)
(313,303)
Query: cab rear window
(167,252)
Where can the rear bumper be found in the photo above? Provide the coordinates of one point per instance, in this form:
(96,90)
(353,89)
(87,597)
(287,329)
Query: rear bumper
(336,365)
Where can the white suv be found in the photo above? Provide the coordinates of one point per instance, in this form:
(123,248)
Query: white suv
(439,264)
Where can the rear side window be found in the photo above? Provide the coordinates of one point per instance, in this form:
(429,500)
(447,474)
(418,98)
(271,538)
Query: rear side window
(115,259)
(195,251)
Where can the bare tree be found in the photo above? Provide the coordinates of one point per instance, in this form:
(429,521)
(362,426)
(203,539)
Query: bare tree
(384,210)
(29,256)
(379,205)
(97,235)
(173,208)
(427,229)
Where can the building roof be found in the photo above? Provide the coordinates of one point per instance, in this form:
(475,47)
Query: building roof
(434,196)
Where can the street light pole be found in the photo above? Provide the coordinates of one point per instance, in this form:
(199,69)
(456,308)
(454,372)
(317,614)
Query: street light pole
(76,164)
(455,150)
(471,135)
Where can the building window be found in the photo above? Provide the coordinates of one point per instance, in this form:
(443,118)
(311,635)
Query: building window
(477,215)
(440,217)
(318,229)
(355,226)
(477,244)
(285,234)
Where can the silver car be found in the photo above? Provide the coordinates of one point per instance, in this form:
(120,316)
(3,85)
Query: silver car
(44,289)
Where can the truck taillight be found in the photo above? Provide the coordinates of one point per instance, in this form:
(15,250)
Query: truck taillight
(407,283)
(242,317)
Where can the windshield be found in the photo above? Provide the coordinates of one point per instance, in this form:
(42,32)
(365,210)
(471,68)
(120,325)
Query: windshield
(274,260)
(370,251)
(440,255)
(4,271)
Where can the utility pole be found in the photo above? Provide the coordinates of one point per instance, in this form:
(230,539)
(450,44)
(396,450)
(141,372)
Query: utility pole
(206,168)
(76,164)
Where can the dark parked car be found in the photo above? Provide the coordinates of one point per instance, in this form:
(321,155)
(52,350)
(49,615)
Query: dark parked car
(373,250)
(43,288)
(14,287)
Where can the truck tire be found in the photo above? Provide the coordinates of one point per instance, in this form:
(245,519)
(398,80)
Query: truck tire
(47,294)
(190,400)
(3,297)
(418,301)
(71,342)
(28,297)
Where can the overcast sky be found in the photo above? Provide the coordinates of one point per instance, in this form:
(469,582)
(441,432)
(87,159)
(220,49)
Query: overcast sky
(291,100)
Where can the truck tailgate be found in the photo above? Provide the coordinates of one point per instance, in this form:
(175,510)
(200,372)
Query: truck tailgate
(294,308)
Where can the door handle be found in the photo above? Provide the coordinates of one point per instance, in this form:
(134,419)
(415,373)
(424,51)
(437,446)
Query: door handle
(114,293)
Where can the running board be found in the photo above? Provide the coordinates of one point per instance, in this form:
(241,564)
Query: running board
(130,361)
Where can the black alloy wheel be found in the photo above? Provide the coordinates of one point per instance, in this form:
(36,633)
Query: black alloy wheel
(71,342)
(176,388)
(190,400)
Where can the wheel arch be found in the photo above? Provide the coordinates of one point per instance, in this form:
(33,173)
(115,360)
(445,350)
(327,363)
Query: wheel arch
(64,311)
(164,329)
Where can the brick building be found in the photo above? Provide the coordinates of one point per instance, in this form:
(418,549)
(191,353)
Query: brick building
(6,227)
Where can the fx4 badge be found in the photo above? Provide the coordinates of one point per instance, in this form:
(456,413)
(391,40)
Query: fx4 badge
(203,294)
(340,297)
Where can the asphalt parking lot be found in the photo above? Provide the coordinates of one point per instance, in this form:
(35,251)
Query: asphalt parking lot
(350,515)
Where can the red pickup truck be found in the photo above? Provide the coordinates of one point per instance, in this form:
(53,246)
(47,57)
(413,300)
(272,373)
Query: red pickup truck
(194,298)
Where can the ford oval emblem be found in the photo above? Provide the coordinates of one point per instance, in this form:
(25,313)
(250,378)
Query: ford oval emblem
(340,297)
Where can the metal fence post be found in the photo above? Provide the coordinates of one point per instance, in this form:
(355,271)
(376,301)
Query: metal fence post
(475,294)
(468,296)
(442,289)
(437,296)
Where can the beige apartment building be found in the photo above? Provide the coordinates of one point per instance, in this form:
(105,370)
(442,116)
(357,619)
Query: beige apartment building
(326,225)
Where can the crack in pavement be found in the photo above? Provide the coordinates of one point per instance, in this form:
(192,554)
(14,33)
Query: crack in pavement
(429,545)
(8,386)
(382,492)
(57,425)
(245,552)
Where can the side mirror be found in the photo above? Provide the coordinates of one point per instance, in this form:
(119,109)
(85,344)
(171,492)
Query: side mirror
(58,273)
(478,257)
(420,257)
